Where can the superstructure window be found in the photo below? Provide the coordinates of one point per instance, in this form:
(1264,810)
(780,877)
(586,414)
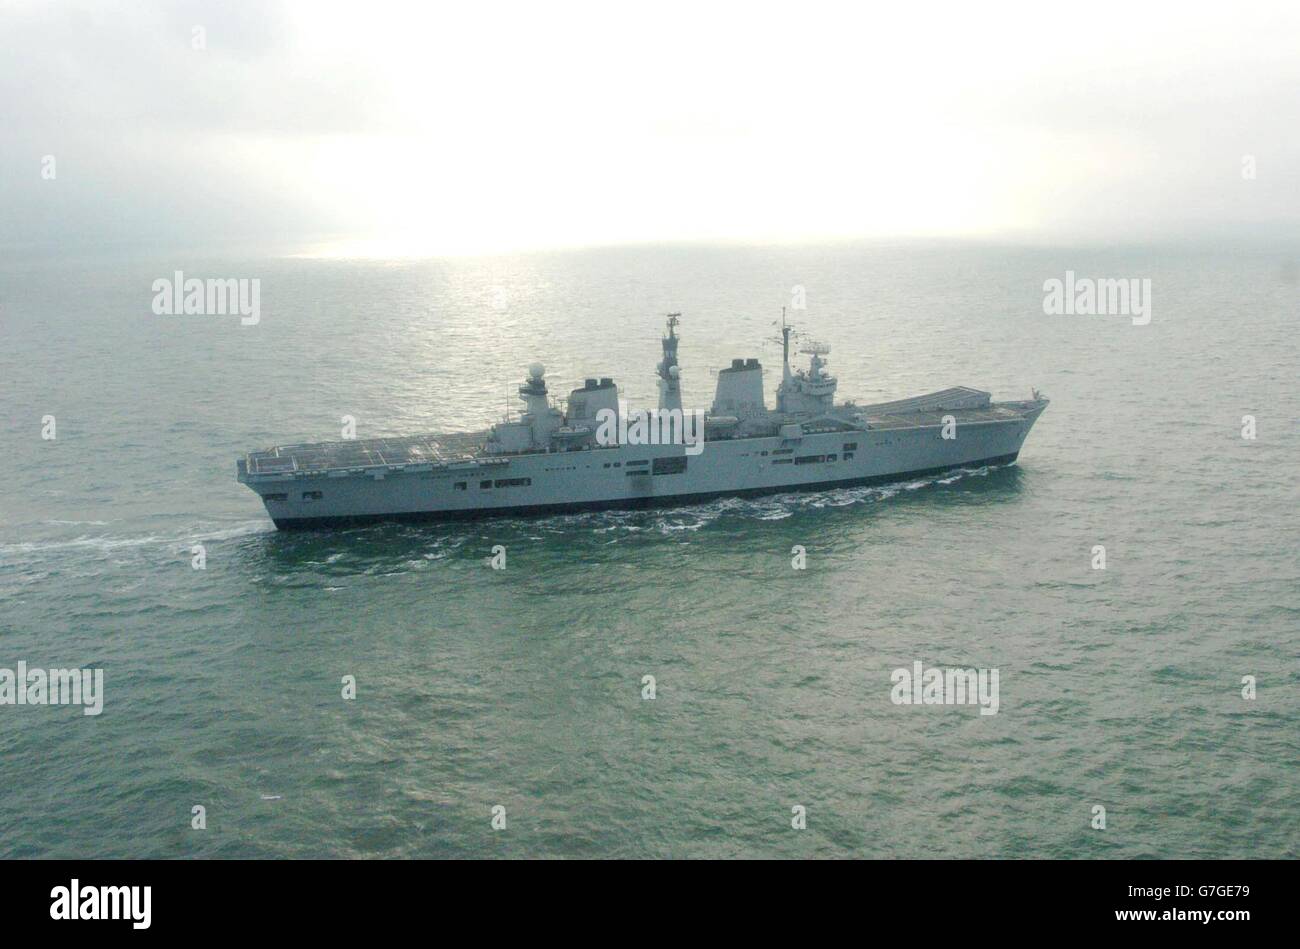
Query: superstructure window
(460,485)
(667,466)
(783,451)
(275,497)
(810,460)
(514,482)
(312,495)
(485,484)
(850,446)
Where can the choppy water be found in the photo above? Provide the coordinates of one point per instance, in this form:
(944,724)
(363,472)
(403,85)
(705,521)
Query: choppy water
(522,687)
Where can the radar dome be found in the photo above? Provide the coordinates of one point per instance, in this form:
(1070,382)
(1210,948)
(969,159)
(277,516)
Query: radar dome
(674,371)
(536,370)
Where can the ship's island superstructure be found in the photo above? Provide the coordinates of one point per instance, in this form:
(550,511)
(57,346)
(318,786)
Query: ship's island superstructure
(551,460)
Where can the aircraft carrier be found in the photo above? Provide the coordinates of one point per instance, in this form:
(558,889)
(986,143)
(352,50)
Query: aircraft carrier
(590,451)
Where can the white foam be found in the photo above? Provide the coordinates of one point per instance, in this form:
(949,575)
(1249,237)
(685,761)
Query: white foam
(103,544)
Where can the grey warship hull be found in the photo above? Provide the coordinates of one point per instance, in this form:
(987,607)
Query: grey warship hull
(445,477)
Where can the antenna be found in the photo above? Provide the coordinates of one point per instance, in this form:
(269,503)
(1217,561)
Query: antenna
(787,333)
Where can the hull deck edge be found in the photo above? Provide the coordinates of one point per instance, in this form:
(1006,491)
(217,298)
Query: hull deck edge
(641,503)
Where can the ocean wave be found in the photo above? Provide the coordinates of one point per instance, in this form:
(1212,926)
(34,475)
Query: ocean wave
(104,543)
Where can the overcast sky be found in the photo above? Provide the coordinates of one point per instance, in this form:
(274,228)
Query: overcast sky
(417,128)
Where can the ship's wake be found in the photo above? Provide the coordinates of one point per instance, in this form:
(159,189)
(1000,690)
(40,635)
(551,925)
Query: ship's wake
(775,507)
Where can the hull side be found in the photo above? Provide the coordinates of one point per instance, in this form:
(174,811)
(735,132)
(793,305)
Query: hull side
(642,502)
(630,477)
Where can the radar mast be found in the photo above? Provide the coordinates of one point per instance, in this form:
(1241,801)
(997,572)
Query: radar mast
(670,385)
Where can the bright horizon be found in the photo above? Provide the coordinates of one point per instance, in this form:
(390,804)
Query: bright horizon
(415,131)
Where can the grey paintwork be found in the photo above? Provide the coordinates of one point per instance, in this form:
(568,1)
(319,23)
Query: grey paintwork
(472,474)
